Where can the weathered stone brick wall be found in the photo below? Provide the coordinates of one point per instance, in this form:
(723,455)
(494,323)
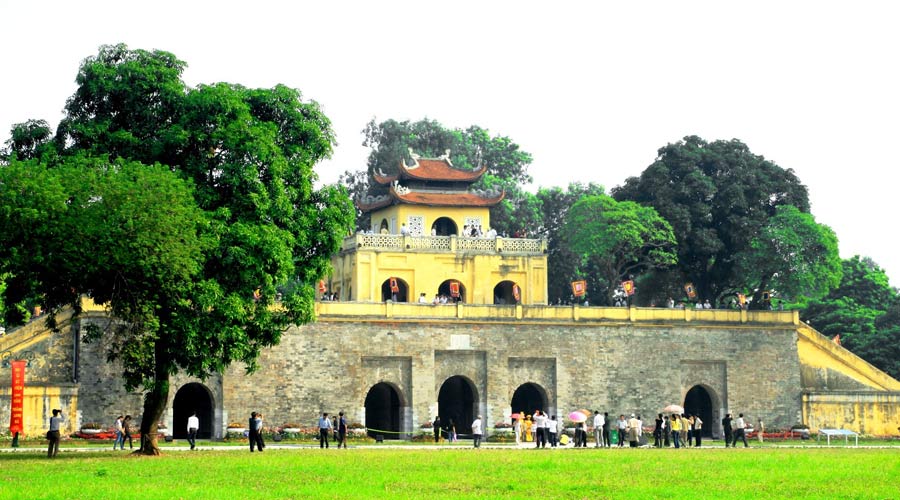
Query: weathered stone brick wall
(331,365)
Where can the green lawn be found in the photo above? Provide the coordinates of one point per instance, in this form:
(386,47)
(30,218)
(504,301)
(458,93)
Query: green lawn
(458,473)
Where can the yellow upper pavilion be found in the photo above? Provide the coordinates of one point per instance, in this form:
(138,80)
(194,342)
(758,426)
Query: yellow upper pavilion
(431,241)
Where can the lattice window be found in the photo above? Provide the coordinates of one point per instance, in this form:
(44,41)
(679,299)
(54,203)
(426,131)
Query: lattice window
(518,245)
(416,225)
(470,221)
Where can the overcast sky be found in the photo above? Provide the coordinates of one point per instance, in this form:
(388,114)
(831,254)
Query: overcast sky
(590,89)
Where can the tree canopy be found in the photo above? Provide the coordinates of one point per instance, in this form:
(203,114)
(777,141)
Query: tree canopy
(864,310)
(225,174)
(717,196)
(619,238)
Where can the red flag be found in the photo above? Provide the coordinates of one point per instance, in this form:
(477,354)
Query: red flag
(517,294)
(322,288)
(579,288)
(18,397)
(690,291)
(628,287)
(454,288)
(394,286)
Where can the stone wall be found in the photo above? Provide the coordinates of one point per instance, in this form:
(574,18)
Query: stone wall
(331,365)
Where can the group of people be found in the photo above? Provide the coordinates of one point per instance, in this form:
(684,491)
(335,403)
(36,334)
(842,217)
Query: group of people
(123,431)
(442,429)
(336,426)
(683,430)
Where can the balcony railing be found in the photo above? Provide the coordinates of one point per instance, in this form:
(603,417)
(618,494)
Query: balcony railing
(449,244)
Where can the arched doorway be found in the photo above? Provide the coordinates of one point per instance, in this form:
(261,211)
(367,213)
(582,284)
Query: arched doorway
(383,411)
(698,402)
(503,293)
(190,398)
(458,400)
(444,226)
(401,294)
(444,289)
(384,227)
(528,398)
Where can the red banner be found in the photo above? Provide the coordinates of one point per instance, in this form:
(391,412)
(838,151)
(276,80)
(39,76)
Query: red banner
(628,287)
(454,289)
(517,293)
(689,290)
(394,286)
(18,397)
(579,288)
(322,288)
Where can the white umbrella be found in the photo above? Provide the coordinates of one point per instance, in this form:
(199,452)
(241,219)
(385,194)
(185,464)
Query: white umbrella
(673,409)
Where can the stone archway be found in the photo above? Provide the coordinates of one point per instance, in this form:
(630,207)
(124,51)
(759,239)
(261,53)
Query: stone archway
(383,411)
(444,289)
(458,401)
(503,293)
(528,398)
(190,398)
(444,226)
(401,296)
(698,401)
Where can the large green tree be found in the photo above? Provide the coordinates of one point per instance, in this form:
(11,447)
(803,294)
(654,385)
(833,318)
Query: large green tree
(471,148)
(793,255)
(246,156)
(619,239)
(864,310)
(563,265)
(717,196)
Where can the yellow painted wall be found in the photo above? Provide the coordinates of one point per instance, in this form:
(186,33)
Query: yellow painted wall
(400,213)
(38,405)
(875,414)
(359,275)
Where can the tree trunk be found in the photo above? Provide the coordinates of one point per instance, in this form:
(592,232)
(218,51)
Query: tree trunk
(154,406)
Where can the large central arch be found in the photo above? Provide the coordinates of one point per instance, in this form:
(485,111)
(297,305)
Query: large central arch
(698,401)
(528,398)
(190,398)
(458,400)
(383,411)
(444,226)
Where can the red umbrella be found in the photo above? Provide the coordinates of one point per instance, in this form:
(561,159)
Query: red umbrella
(516,415)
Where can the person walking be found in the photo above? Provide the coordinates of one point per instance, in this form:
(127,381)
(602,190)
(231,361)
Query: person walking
(476,432)
(739,431)
(517,428)
(621,427)
(254,426)
(436,427)
(193,424)
(127,431)
(120,434)
(667,430)
(342,430)
(760,429)
(325,428)
(53,433)
(726,429)
(599,422)
(452,430)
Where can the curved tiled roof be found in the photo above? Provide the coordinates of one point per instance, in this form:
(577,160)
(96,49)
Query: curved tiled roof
(440,169)
(447,199)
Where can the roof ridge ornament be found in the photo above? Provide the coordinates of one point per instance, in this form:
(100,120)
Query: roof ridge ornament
(415,159)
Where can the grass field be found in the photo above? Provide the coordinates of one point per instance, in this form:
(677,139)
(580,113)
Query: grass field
(457,473)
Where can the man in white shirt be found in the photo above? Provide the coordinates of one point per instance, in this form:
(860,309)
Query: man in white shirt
(598,428)
(476,432)
(739,433)
(621,426)
(120,434)
(540,421)
(552,430)
(325,428)
(193,425)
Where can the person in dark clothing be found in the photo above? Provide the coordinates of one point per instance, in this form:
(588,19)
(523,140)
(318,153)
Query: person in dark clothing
(657,431)
(436,425)
(342,430)
(127,430)
(667,428)
(254,427)
(726,428)
(606,429)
